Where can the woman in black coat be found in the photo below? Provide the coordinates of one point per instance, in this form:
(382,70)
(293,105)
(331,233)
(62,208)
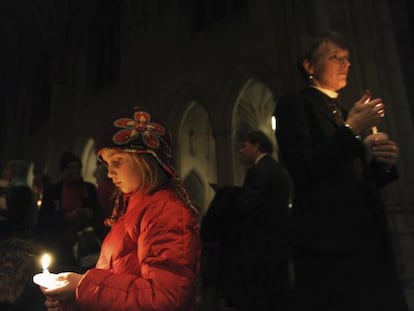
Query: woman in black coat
(343,255)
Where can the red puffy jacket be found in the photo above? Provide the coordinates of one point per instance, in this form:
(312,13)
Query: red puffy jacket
(149,260)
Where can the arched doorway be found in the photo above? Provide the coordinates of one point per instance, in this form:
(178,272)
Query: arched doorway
(253,110)
(196,152)
(88,158)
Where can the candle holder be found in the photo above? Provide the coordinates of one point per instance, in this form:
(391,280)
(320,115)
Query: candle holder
(48,280)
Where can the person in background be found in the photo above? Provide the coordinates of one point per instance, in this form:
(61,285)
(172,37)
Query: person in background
(263,204)
(17,248)
(150,258)
(220,236)
(39,185)
(68,207)
(19,210)
(253,253)
(106,191)
(342,252)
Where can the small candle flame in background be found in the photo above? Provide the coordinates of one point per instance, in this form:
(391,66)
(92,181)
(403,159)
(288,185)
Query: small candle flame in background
(45,261)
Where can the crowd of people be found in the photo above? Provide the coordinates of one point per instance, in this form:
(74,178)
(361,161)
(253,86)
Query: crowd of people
(306,232)
(62,218)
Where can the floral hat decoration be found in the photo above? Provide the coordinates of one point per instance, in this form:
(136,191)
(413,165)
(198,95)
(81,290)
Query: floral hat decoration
(135,131)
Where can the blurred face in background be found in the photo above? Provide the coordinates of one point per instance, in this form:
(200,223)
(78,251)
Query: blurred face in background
(72,172)
(8,173)
(248,152)
(329,67)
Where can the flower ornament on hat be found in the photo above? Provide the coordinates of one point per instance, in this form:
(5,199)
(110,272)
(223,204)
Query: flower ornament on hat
(137,132)
(141,125)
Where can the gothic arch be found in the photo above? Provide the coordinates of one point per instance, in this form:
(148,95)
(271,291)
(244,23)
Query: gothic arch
(253,109)
(248,89)
(88,158)
(195,148)
(195,186)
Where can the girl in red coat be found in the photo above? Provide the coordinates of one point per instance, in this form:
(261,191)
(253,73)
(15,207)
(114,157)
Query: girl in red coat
(150,258)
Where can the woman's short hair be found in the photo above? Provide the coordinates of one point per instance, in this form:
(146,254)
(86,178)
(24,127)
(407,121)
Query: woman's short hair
(310,48)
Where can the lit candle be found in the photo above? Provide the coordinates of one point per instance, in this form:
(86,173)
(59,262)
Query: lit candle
(45,261)
(374,128)
(47,279)
(377,135)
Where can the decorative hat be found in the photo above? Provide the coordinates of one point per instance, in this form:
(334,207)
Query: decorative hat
(137,131)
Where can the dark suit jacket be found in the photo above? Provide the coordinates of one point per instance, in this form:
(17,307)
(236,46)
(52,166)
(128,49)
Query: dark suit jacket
(334,208)
(262,205)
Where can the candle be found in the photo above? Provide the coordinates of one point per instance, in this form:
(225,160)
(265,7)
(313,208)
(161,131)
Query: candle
(381,112)
(47,279)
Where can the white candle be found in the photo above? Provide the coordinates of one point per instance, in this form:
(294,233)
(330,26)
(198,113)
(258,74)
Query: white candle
(374,128)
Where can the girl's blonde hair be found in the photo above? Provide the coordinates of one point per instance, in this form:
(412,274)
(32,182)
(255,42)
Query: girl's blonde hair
(152,175)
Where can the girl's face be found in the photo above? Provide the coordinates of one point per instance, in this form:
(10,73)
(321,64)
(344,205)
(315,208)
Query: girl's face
(123,170)
(330,68)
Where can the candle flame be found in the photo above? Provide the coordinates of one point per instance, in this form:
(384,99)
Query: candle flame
(46,260)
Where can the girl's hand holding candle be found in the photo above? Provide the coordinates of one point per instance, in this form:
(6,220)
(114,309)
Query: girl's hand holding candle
(68,291)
